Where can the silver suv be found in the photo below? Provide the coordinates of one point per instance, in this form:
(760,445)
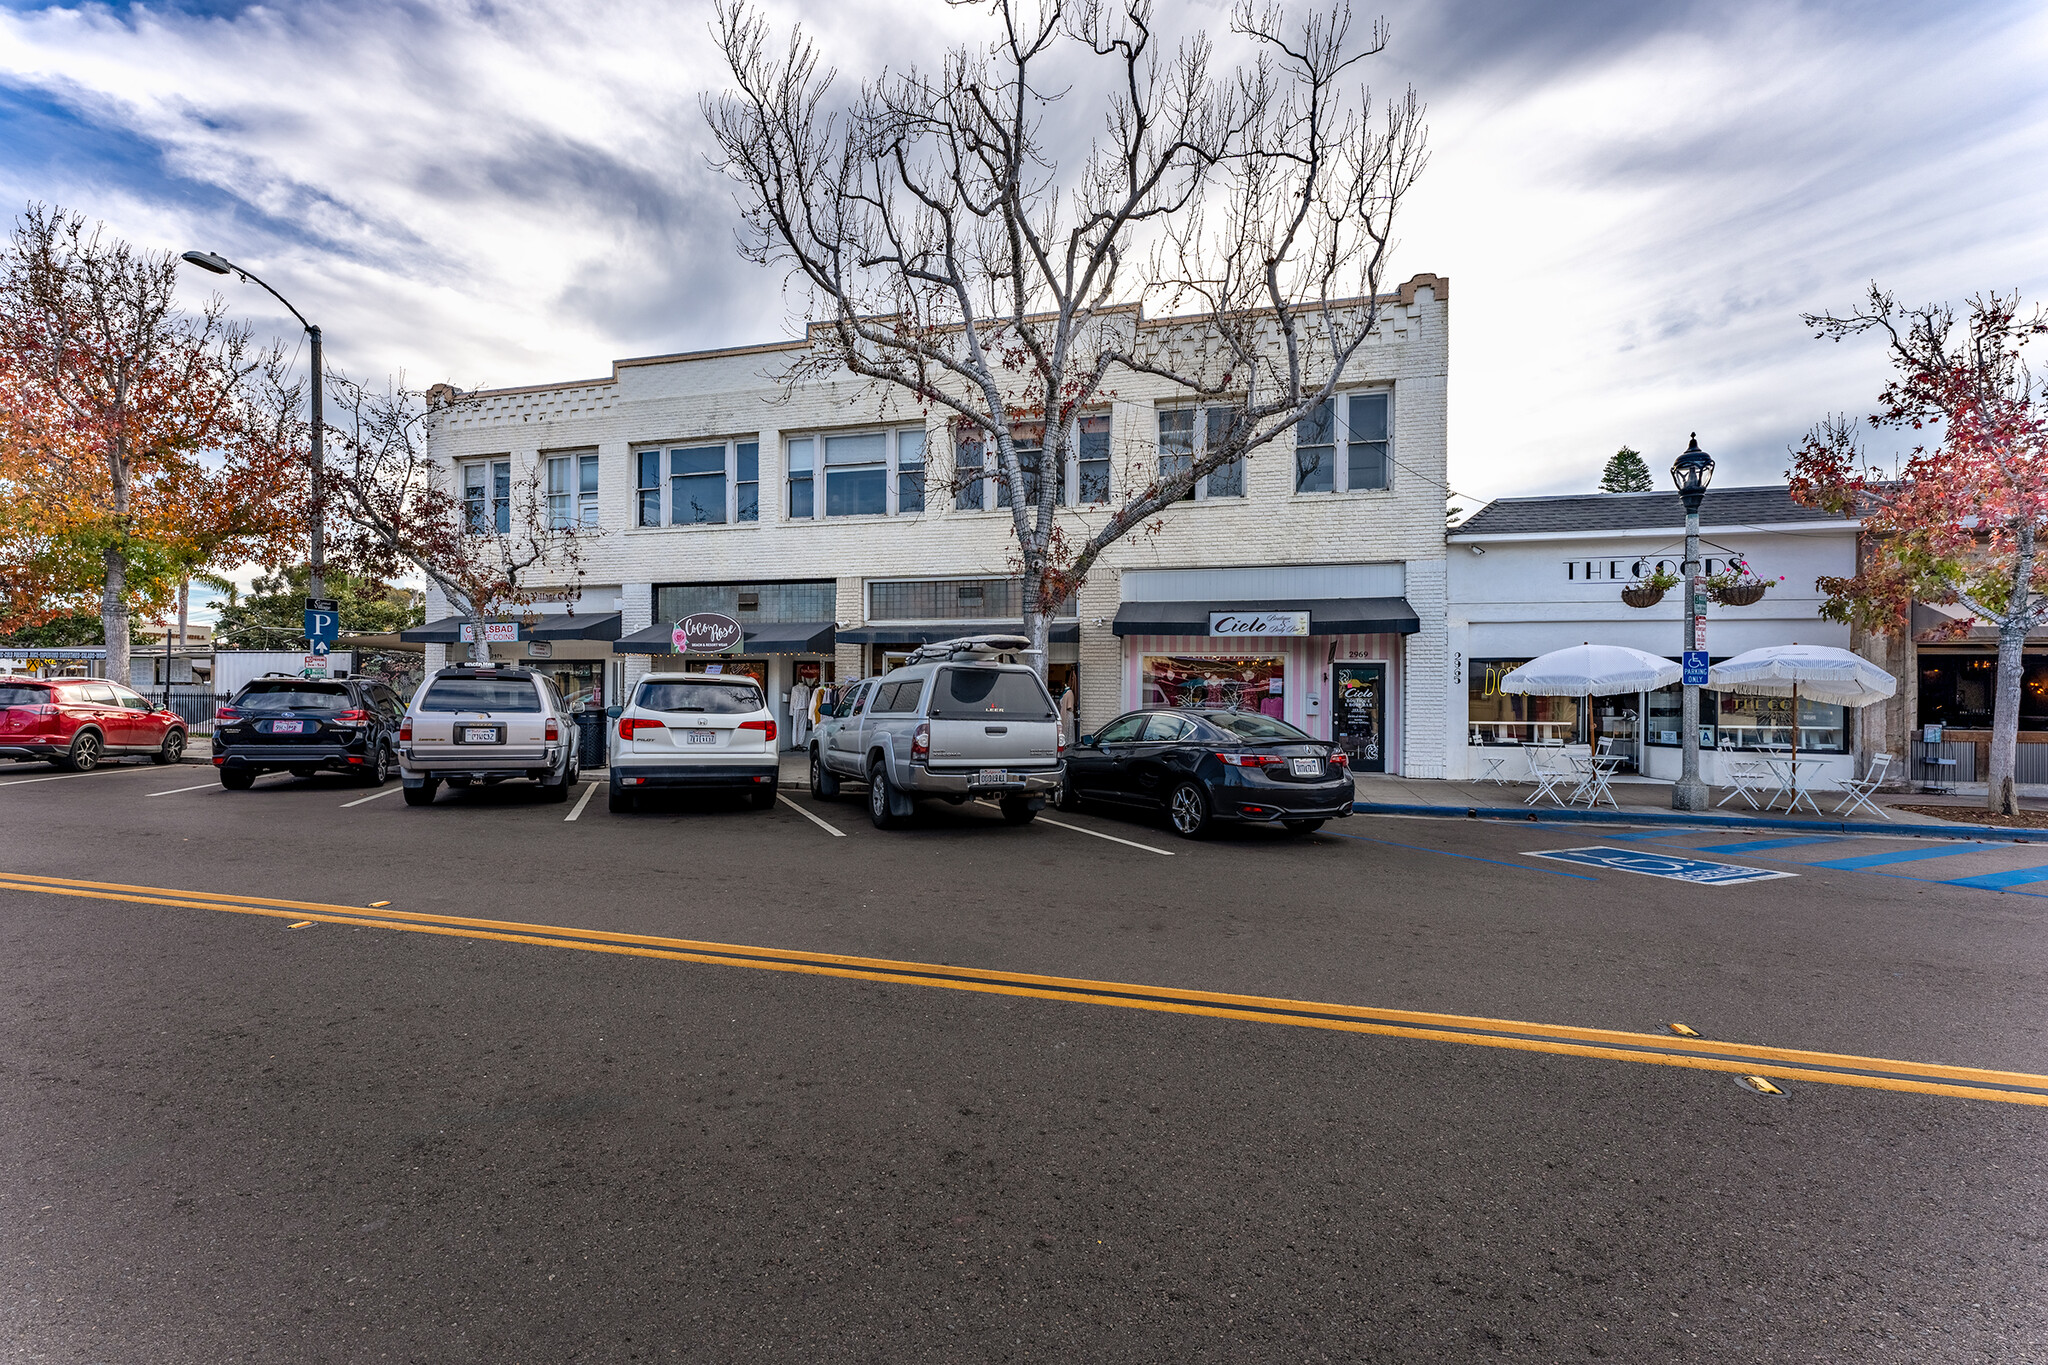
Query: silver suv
(959,720)
(477,725)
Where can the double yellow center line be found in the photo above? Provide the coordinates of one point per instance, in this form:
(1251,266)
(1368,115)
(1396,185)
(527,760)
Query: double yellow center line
(1740,1059)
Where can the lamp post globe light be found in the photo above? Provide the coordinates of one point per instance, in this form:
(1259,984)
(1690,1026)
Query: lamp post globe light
(1690,475)
(316,558)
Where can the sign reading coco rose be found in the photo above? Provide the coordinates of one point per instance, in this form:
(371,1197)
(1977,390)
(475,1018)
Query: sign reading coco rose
(707,632)
(1258,623)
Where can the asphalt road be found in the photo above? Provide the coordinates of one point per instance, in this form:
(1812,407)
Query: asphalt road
(232,1131)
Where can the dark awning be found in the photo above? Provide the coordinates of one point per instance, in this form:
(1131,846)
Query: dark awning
(555,626)
(1326,616)
(1062,633)
(769,637)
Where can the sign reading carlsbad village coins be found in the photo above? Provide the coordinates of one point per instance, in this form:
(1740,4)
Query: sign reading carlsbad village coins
(707,632)
(1258,623)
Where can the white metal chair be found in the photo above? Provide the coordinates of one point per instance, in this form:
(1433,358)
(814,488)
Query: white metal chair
(1858,791)
(1496,762)
(1549,770)
(1747,775)
(1595,771)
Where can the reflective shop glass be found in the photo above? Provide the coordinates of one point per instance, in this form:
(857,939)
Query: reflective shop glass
(910,471)
(649,471)
(1227,683)
(1094,459)
(1177,445)
(981,693)
(968,473)
(501,497)
(481,694)
(747,481)
(1956,689)
(696,477)
(856,475)
(1315,449)
(802,503)
(1496,717)
(1367,441)
(750,603)
(707,698)
(1224,481)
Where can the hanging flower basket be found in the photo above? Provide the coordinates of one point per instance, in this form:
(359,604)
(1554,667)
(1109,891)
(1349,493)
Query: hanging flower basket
(1642,595)
(1739,594)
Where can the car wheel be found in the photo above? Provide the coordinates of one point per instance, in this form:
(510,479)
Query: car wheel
(763,797)
(379,770)
(1302,826)
(424,793)
(878,797)
(1188,809)
(237,779)
(173,748)
(824,786)
(86,752)
(1069,798)
(1017,811)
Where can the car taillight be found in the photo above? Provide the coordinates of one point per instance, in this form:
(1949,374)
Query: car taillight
(357,716)
(766,727)
(921,742)
(227,713)
(405,731)
(1338,758)
(628,724)
(554,731)
(1250,760)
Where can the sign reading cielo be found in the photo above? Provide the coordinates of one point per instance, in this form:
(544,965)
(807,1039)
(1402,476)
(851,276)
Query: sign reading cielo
(707,632)
(1258,623)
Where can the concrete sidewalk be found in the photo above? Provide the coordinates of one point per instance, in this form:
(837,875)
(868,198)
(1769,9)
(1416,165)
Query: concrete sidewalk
(1640,800)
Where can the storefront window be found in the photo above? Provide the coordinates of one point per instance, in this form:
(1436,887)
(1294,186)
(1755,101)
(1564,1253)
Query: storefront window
(1223,684)
(1748,722)
(1496,717)
(1956,689)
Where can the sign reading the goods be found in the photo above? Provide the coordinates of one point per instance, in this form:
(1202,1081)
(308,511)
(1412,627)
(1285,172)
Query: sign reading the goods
(707,632)
(1258,623)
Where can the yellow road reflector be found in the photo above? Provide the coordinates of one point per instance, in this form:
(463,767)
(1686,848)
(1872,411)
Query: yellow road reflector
(378,905)
(1759,1084)
(1683,1030)
(302,924)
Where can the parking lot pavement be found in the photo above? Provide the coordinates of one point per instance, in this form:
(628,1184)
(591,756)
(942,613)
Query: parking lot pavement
(327,1077)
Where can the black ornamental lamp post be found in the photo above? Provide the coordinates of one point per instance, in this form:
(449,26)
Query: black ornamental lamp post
(1690,475)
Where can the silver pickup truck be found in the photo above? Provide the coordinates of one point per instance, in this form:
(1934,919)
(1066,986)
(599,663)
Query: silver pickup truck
(959,720)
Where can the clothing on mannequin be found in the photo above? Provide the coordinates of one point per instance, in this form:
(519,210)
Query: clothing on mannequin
(799,713)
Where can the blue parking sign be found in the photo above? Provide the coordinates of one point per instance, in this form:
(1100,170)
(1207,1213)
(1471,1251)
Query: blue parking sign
(323,628)
(1696,870)
(1694,661)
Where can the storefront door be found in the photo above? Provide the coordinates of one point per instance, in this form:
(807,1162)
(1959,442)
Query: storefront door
(1358,714)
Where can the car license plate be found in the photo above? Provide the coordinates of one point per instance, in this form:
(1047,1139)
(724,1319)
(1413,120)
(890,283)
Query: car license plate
(1305,767)
(993,776)
(479,734)
(287,727)
(700,736)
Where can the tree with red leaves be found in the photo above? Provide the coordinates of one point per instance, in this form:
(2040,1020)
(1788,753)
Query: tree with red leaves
(1966,521)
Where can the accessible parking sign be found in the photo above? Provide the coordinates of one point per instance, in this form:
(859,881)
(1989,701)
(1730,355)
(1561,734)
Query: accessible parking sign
(1695,870)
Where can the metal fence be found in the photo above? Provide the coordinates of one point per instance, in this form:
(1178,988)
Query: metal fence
(194,704)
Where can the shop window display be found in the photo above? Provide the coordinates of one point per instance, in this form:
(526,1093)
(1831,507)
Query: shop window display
(1496,717)
(1223,684)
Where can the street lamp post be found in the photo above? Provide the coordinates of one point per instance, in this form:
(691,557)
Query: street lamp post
(316,565)
(1690,474)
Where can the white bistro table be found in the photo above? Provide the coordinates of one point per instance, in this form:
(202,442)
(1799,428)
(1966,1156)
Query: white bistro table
(1786,765)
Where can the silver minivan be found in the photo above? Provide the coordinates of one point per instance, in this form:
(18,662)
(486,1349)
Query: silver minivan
(959,720)
(474,725)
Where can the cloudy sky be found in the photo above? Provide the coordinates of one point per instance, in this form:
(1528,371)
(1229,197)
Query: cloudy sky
(1634,202)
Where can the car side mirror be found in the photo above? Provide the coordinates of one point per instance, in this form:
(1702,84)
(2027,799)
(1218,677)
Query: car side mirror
(1087,741)
(614,711)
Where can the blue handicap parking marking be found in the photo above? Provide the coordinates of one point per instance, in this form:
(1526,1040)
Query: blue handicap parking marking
(1998,881)
(1897,855)
(1759,845)
(1695,870)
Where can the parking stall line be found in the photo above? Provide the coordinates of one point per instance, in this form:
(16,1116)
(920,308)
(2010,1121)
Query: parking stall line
(1604,1044)
(589,790)
(65,777)
(365,800)
(1098,834)
(835,833)
(175,790)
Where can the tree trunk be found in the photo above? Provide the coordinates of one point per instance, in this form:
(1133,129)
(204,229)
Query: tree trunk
(2001,793)
(114,611)
(480,647)
(1038,627)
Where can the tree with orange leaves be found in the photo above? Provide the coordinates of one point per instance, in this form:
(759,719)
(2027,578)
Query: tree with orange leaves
(131,454)
(1966,521)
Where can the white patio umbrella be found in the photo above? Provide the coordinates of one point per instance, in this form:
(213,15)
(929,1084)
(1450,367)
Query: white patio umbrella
(1816,672)
(1591,671)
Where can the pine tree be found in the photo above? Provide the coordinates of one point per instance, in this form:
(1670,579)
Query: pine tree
(1625,473)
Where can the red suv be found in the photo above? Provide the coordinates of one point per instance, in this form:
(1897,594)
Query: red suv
(75,722)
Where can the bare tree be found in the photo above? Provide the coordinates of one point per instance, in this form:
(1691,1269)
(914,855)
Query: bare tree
(948,255)
(395,507)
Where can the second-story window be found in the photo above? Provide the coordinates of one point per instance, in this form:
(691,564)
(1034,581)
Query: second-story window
(487,497)
(572,491)
(1082,471)
(1343,444)
(865,473)
(1187,435)
(707,483)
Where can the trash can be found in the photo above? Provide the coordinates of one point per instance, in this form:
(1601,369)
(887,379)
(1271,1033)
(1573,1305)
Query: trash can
(590,739)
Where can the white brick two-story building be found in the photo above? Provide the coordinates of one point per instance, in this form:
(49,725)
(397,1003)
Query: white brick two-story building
(833,522)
